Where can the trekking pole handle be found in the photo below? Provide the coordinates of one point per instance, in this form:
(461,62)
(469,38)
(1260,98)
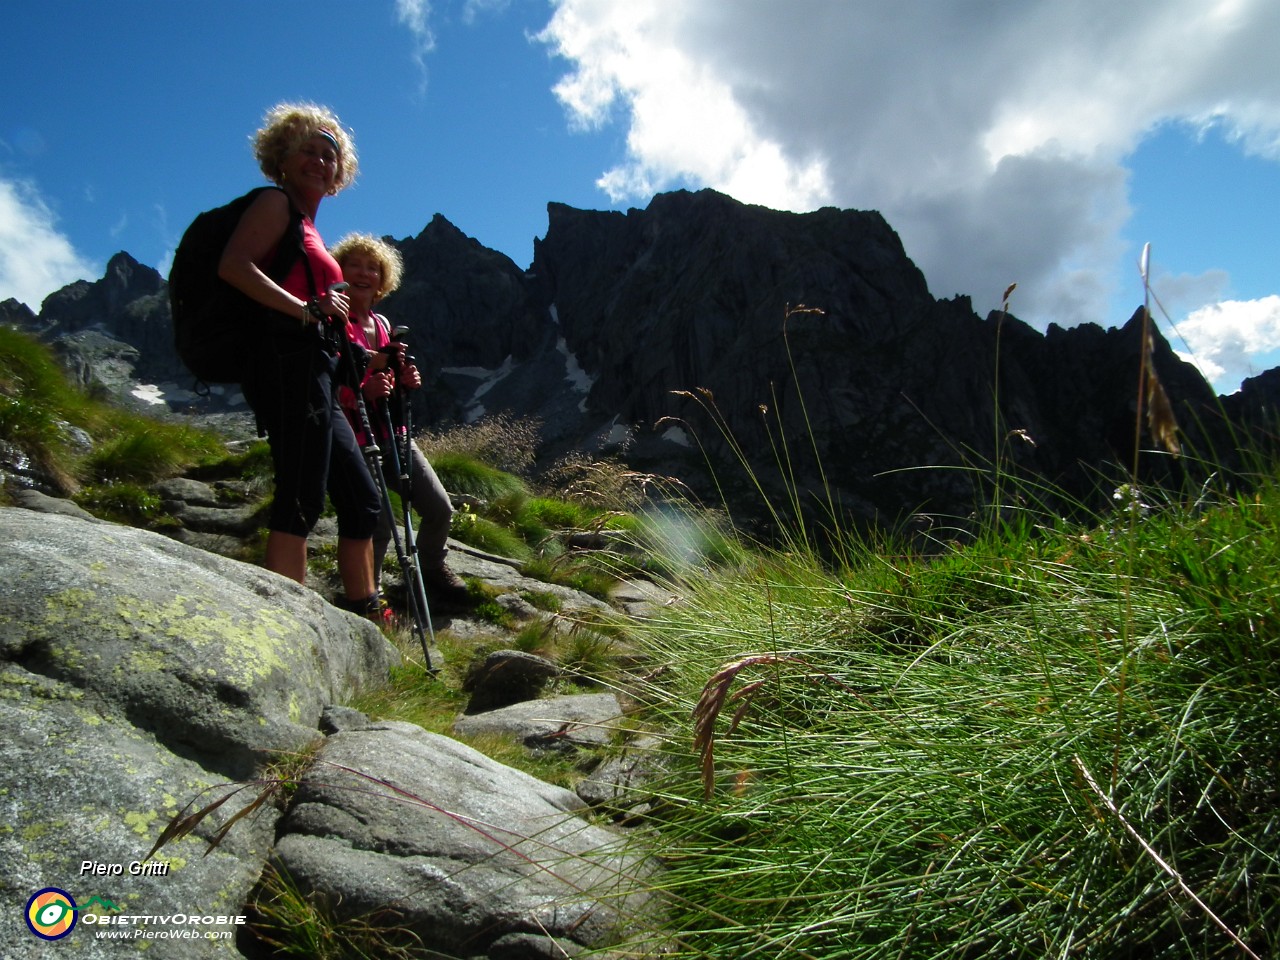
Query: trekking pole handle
(313,305)
(392,352)
(339,287)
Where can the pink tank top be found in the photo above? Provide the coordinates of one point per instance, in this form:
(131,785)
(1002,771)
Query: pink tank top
(324,268)
(347,396)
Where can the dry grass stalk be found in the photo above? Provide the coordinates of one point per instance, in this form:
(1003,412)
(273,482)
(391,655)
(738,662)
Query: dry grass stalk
(712,701)
(1160,419)
(1159,861)
(500,440)
(183,823)
(606,482)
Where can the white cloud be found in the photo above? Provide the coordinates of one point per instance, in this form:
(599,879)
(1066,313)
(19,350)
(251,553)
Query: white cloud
(992,136)
(1224,339)
(686,125)
(1181,294)
(416,16)
(472,10)
(35,259)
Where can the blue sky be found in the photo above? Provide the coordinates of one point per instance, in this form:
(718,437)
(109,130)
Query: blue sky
(1040,142)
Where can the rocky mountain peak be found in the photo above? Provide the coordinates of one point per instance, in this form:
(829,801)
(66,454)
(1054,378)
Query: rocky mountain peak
(84,304)
(701,335)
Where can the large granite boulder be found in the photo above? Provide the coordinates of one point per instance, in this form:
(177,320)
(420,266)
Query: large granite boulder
(220,661)
(468,854)
(138,676)
(144,681)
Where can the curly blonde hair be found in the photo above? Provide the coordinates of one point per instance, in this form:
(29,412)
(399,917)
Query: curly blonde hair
(287,126)
(388,258)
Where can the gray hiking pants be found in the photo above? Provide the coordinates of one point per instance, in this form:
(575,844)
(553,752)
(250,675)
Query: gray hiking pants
(429,501)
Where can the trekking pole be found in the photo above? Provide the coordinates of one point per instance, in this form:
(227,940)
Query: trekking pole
(406,478)
(373,460)
(402,465)
(405,554)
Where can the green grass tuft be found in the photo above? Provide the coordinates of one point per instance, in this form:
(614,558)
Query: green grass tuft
(121,502)
(463,474)
(981,754)
(40,412)
(485,534)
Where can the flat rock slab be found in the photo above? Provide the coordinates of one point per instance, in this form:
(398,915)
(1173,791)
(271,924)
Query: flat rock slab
(556,723)
(79,783)
(463,851)
(625,781)
(502,574)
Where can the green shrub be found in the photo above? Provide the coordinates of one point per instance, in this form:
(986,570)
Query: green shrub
(505,442)
(463,474)
(485,534)
(121,502)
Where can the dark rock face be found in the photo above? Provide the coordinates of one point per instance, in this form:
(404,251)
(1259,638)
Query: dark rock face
(466,305)
(505,677)
(805,348)
(129,304)
(687,314)
(484,341)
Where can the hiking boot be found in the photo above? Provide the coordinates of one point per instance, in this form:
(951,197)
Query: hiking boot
(372,608)
(443,584)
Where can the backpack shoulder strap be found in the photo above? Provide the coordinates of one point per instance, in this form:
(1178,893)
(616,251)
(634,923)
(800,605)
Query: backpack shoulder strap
(290,247)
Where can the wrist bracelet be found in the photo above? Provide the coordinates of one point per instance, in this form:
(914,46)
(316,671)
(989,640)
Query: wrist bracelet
(313,308)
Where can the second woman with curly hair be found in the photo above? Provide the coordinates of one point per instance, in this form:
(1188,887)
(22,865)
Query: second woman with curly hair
(373,268)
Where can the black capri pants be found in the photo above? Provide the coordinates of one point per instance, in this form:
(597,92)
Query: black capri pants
(289,387)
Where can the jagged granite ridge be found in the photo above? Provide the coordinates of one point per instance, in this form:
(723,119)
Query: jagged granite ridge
(627,327)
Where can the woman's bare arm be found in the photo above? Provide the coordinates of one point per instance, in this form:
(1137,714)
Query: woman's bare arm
(261,229)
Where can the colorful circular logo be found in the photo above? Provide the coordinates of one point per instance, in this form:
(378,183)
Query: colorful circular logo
(51,913)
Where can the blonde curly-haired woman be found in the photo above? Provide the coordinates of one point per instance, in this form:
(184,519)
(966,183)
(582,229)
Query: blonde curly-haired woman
(292,358)
(373,269)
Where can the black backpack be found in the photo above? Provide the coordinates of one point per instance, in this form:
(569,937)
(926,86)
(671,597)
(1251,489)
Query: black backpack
(211,317)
